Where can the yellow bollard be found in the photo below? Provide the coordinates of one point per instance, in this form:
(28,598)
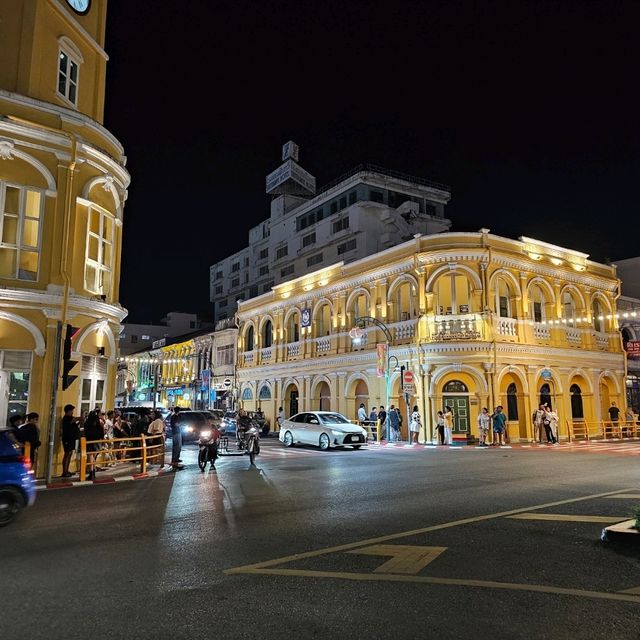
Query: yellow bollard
(143,446)
(378,430)
(27,450)
(83,459)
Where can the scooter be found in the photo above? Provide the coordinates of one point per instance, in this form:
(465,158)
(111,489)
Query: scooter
(208,447)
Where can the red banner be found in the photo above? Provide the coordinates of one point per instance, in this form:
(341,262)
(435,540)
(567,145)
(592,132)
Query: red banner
(381,363)
(633,348)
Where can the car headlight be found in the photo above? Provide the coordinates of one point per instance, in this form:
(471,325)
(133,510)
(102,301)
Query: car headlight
(205,434)
(188,429)
(336,433)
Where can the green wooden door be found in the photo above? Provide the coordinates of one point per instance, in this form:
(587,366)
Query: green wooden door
(461,422)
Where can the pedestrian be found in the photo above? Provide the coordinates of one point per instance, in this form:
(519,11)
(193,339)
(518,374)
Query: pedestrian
(119,432)
(29,432)
(538,423)
(614,416)
(394,424)
(484,422)
(448,425)
(14,422)
(382,418)
(362,414)
(94,433)
(551,421)
(415,425)
(156,431)
(176,440)
(373,416)
(440,427)
(629,419)
(280,417)
(499,422)
(70,434)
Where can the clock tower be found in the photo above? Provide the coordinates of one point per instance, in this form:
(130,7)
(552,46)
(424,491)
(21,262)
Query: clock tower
(63,185)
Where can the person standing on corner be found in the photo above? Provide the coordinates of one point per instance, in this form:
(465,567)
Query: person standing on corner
(484,422)
(448,425)
(440,427)
(30,432)
(362,414)
(499,422)
(70,434)
(415,424)
(176,440)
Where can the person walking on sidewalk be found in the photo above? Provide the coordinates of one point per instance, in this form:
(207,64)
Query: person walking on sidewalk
(176,440)
(394,424)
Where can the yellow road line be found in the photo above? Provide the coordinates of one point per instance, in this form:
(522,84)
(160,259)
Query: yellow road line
(628,496)
(405,534)
(559,517)
(627,596)
(406,559)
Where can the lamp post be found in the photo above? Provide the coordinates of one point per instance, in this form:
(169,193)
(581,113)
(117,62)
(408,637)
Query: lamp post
(357,334)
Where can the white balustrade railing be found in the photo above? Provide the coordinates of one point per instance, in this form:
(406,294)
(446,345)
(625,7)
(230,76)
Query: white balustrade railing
(248,357)
(265,354)
(293,349)
(541,331)
(574,336)
(507,326)
(406,329)
(323,344)
(457,327)
(602,340)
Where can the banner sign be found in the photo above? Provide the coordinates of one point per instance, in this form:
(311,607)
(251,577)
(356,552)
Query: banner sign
(633,348)
(206,381)
(381,359)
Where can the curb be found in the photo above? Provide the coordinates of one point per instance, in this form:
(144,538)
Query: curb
(110,480)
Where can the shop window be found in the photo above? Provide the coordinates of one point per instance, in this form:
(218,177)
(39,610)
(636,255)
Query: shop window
(512,402)
(20,231)
(577,411)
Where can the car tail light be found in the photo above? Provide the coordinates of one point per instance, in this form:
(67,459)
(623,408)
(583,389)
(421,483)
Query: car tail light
(26,462)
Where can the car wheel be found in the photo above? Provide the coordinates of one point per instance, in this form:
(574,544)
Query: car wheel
(288,439)
(356,446)
(325,443)
(11,501)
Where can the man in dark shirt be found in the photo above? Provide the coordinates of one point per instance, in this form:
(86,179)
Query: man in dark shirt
(70,434)
(614,412)
(176,439)
(29,432)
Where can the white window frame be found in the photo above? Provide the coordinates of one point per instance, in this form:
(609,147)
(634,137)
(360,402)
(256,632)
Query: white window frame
(102,270)
(75,60)
(21,218)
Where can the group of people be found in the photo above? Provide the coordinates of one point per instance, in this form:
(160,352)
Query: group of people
(391,419)
(110,426)
(545,424)
(25,429)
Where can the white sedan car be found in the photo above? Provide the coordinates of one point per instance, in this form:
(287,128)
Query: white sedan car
(324,429)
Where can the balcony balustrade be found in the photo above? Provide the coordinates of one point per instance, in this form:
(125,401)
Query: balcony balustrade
(457,327)
(507,327)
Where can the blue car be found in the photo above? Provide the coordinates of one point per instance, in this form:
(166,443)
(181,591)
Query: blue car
(17,482)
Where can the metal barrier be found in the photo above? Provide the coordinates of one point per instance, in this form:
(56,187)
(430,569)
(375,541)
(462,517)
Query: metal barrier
(115,451)
(373,429)
(603,429)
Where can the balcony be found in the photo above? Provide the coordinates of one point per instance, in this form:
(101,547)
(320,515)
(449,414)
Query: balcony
(466,326)
(506,327)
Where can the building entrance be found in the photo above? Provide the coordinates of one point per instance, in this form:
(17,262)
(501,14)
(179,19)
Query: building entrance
(456,395)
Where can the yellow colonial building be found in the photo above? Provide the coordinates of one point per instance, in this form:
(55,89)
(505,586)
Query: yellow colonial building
(479,320)
(63,185)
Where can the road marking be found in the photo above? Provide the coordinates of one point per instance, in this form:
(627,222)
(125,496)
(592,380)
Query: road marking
(249,568)
(633,591)
(407,559)
(630,496)
(559,517)
(628,596)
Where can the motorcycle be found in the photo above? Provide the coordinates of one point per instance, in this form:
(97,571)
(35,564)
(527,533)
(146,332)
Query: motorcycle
(207,447)
(247,443)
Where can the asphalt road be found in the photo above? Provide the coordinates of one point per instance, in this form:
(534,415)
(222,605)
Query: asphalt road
(402,543)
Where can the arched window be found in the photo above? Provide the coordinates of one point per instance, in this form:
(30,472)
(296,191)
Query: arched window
(294,328)
(453,294)
(577,412)
(569,309)
(503,299)
(267,334)
(598,316)
(265,393)
(455,386)
(249,340)
(512,402)
(359,307)
(322,321)
(545,395)
(247,394)
(403,302)
(537,303)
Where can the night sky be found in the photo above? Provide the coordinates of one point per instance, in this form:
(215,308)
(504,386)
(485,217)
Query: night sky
(529,111)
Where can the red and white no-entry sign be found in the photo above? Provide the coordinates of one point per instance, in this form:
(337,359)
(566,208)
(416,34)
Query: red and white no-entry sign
(407,382)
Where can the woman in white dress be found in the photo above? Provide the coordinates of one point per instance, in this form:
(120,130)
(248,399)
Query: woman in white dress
(414,425)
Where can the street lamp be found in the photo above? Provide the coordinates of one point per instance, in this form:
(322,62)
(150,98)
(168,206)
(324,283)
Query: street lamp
(357,336)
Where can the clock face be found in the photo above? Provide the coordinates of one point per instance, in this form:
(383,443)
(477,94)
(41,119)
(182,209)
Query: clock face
(80,6)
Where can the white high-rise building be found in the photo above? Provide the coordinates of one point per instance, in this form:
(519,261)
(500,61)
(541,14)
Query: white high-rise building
(361,213)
